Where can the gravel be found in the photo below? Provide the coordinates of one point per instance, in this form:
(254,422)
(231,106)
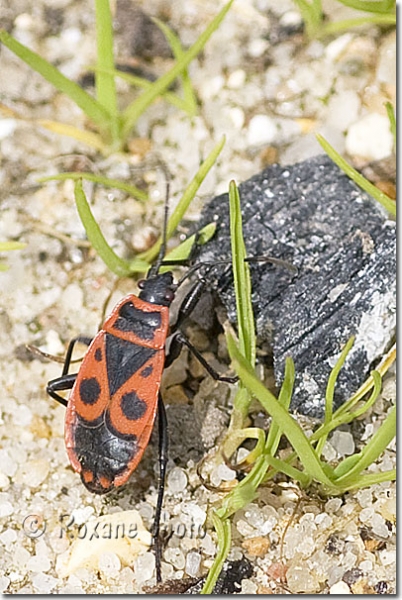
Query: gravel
(269,91)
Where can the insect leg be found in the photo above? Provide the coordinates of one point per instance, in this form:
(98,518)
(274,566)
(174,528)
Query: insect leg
(163,457)
(65,382)
(189,302)
(81,338)
(176,344)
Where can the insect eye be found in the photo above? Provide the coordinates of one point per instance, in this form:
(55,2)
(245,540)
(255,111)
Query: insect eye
(169,295)
(141,283)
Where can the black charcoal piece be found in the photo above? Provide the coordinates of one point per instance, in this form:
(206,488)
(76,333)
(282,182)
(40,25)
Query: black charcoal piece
(343,245)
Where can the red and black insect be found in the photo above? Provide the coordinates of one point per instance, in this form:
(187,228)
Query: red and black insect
(115,395)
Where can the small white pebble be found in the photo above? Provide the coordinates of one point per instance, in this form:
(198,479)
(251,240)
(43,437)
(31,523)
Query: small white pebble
(109,564)
(74,581)
(43,583)
(34,472)
(8,464)
(4,583)
(22,416)
(366,514)
(197,514)
(364,497)
(175,557)
(144,567)
(343,442)
(236,79)
(53,343)
(82,515)
(20,557)
(38,564)
(146,511)
(245,528)
(4,481)
(290,18)
(302,580)
(193,563)
(225,473)
(335,48)
(323,520)
(212,86)
(254,515)
(8,537)
(208,546)
(177,480)
(72,297)
(24,21)
(370,137)
(257,47)
(248,587)
(340,588)
(328,452)
(366,566)
(7,127)
(386,61)
(6,508)
(343,109)
(379,527)
(242,453)
(387,557)
(237,117)
(261,130)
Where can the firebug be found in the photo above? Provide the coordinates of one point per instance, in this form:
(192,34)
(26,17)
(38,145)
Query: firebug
(115,395)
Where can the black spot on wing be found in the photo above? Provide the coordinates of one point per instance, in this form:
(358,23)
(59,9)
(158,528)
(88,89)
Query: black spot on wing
(143,324)
(89,390)
(98,354)
(147,371)
(132,406)
(123,359)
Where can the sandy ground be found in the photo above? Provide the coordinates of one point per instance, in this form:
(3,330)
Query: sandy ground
(269,91)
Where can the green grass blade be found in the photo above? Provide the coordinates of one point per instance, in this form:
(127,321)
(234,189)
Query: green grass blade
(341,417)
(375,6)
(291,429)
(137,81)
(88,105)
(7,246)
(346,417)
(105,181)
(245,491)
(329,394)
(348,469)
(284,399)
(136,108)
(281,466)
(371,479)
(242,280)
(222,527)
(392,120)
(361,181)
(150,255)
(89,138)
(182,251)
(95,236)
(104,82)
(338,27)
(190,101)
(312,15)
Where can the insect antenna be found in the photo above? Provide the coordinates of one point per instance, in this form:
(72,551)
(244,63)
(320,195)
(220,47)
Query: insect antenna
(154,270)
